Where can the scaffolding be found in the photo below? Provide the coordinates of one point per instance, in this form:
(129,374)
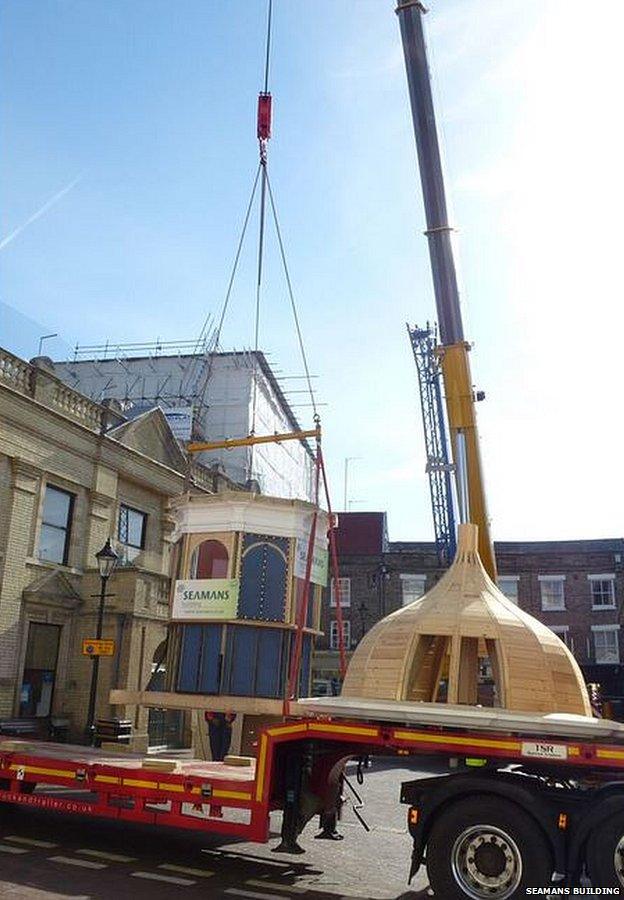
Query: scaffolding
(439,467)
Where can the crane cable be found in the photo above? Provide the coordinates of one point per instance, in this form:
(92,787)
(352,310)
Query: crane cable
(293,304)
(263,137)
(217,334)
(261,177)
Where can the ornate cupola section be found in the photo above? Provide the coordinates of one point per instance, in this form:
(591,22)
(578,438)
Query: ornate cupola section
(239,595)
(438,648)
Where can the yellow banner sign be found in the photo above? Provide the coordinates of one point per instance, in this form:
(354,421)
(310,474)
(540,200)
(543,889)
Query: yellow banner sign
(93,647)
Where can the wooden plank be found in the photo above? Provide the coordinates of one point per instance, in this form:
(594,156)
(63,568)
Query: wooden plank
(253,706)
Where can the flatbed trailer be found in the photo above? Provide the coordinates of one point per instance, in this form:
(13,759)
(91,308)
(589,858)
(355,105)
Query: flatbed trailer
(511,810)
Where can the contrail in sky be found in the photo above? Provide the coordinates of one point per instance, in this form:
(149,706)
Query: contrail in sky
(40,212)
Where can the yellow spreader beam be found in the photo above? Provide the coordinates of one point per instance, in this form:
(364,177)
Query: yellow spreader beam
(231,443)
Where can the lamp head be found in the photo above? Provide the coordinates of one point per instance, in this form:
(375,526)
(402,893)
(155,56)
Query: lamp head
(107,559)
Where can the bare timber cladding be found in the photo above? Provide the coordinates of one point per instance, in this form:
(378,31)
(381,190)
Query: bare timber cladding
(379,575)
(252,539)
(52,439)
(430,650)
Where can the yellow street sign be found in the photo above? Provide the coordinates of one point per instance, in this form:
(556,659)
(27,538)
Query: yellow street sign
(93,647)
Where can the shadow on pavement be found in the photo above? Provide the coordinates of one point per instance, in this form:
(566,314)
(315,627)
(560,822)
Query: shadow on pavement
(220,871)
(433,764)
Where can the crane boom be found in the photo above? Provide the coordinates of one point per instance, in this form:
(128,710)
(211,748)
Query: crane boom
(459,393)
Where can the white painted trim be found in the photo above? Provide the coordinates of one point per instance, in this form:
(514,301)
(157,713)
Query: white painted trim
(605,627)
(559,629)
(608,576)
(551,577)
(345,589)
(253,513)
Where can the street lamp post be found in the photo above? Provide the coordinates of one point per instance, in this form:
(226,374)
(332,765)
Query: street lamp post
(107,560)
(383,574)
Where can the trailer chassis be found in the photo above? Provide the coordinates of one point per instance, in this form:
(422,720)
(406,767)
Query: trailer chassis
(571,794)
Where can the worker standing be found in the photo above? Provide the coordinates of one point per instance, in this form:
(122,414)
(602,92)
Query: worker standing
(219,733)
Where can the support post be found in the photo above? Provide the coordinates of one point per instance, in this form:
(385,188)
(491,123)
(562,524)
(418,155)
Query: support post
(95,671)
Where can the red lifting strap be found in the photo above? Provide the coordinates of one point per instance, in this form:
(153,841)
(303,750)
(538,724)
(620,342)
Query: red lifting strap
(302,612)
(264,116)
(335,570)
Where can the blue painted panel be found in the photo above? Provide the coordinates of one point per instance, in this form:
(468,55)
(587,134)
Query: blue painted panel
(269,679)
(251,586)
(274,594)
(189,658)
(210,667)
(255,662)
(241,662)
(263,581)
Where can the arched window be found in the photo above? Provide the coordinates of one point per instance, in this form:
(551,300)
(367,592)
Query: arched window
(209,560)
(263,580)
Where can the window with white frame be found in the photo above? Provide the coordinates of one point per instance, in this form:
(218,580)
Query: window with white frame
(508,584)
(602,589)
(333,634)
(606,643)
(344,589)
(412,587)
(552,589)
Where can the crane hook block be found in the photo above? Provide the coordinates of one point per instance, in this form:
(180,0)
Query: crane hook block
(264,116)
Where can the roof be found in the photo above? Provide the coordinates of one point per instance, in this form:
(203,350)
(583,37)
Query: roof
(261,358)
(151,434)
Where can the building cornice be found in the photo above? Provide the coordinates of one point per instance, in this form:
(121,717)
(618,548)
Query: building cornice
(110,449)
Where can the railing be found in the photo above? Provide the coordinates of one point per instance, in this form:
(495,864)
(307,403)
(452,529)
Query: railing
(42,385)
(77,406)
(210,479)
(16,372)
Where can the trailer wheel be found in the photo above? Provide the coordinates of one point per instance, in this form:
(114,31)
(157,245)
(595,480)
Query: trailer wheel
(605,853)
(486,848)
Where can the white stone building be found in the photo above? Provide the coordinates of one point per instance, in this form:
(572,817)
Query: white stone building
(220,388)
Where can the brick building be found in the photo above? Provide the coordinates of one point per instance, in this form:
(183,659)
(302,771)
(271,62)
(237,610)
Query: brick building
(73,473)
(574,587)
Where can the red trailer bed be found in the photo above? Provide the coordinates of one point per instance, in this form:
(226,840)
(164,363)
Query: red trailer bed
(236,801)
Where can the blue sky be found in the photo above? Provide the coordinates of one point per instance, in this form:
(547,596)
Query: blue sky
(150,104)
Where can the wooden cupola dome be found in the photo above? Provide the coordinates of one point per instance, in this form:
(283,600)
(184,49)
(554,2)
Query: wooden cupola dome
(437,648)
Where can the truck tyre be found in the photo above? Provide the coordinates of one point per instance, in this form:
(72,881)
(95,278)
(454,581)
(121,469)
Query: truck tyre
(486,848)
(605,853)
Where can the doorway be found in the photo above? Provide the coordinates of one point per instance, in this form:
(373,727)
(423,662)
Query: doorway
(39,675)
